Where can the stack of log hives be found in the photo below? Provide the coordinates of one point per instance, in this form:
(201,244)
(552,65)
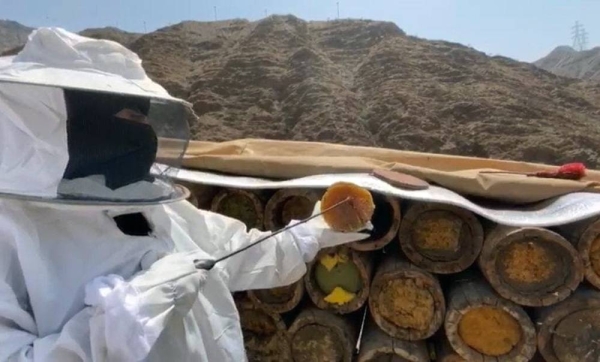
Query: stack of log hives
(432,283)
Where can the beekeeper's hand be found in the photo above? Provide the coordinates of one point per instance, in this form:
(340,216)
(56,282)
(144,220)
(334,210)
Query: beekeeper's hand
(316,234)
(133,313)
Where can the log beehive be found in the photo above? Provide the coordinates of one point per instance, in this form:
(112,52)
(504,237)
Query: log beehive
(406,302)
(243,205)
(482,317)
(339,279)
(570,330)
(386,222)
(377,346)
(289,204)
(318,335)
(530,266)
(440,238)
(265,335)
(482,326)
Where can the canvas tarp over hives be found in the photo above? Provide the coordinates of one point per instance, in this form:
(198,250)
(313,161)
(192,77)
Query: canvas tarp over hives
(288,159)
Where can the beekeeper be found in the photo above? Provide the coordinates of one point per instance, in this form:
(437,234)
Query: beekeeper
(97,245)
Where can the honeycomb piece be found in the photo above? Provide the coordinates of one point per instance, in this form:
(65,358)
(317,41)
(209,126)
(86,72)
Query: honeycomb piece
(352,215)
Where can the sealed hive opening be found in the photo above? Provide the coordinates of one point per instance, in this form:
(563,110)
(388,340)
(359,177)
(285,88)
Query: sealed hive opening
(241,205)
(438,234)
(337,277)
(314,342)
(440,238)
(532,265)
(577,337)
(595,256)
(287,205)
(276,295)
(263,339)
(490,331)
(407,303)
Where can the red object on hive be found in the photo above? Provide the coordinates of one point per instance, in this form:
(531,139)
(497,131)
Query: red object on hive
(570,171)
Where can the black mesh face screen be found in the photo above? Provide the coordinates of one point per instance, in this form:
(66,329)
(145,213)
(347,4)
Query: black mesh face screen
(133,224)
(100,143)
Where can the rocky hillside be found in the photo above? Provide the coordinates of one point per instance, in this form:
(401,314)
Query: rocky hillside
(568,62)
(12,34)
(111,33)
(368,83)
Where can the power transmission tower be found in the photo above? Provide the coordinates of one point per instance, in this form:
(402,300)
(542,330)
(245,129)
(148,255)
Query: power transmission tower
(579,36)
(338,10)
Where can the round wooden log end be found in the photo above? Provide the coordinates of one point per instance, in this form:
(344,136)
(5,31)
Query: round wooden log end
(265,334)
(287,205)
(531,266)
(241,205)
(407,303)
(589,249)
(386,223)
(439,238)
(352,274)
(570,330)
(279,300)
(377,346)
(481,326)
(317,335)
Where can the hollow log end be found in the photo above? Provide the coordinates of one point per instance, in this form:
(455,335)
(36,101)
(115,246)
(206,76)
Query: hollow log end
(441,238)
(265,336)
(407,304)
(320,336)
(241,205)
(279,300)
(350,274)
(533,267)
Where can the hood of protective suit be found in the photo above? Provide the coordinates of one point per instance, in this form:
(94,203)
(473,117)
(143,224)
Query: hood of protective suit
(34,142)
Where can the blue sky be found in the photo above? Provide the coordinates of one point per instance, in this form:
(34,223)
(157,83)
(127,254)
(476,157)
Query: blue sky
(520,29)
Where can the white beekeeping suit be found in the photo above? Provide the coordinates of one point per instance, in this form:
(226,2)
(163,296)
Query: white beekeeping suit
(96,253)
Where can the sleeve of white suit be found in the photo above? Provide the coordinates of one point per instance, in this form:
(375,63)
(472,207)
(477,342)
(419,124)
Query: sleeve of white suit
(122,321)
(19,340)
(278,261)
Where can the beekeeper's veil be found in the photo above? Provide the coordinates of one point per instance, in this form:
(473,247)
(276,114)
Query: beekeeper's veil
(80,121)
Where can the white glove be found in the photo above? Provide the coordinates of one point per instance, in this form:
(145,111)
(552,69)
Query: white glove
(315,234)
(134,313)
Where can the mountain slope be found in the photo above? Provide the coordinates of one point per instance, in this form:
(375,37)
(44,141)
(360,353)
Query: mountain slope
(568,62)
(12,34)
(367,83)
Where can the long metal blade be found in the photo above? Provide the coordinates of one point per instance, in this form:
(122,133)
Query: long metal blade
(209,264)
